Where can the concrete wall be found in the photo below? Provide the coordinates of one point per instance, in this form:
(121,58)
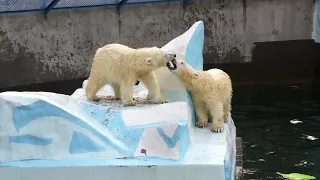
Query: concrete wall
(35,50)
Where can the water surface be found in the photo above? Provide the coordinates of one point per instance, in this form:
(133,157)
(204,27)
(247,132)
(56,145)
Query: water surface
(274,139)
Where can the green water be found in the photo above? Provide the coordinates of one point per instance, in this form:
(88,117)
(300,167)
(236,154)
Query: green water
(271,142)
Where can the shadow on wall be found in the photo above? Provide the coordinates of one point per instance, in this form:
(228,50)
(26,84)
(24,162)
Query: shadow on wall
(278,62)
(63,87)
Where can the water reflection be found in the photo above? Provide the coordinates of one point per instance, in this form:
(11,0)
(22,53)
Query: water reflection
(280,128)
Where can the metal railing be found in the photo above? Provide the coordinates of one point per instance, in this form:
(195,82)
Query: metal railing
(18,6)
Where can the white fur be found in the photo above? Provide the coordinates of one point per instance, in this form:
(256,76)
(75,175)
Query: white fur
(211,93)
(121,66)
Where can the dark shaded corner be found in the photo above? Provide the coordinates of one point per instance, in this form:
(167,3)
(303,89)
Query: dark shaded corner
(277,63)
(64,87)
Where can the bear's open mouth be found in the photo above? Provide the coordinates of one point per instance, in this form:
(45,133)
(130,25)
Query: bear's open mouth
(172,65)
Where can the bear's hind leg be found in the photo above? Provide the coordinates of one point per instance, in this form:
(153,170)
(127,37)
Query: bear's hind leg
(217,113)
(93,86)
(153,88)
(226,110)
(202,120)
(126,86)
(116,90)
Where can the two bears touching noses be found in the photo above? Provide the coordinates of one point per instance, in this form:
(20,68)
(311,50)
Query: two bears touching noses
(122,67)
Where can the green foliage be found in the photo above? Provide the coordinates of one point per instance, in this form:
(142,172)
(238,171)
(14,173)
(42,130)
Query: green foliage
(296,176)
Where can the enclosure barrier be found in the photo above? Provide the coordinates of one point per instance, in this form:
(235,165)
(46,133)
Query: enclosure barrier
(18,6)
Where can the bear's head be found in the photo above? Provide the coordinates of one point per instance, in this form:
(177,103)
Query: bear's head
(182,69)
(169,56)
(155,57)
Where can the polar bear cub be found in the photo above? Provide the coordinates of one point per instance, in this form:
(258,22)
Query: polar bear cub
(121,67)
(211,93)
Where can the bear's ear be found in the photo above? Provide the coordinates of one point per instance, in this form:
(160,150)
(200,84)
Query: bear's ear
(195,75)
(149,60)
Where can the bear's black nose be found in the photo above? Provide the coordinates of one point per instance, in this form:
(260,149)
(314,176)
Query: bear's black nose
(174,55)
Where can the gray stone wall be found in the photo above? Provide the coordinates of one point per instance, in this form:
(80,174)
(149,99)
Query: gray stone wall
(35,50)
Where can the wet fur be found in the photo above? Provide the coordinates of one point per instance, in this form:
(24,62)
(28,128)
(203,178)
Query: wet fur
(211,94)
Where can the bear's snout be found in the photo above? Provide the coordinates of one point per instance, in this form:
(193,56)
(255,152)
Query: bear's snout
(170,56)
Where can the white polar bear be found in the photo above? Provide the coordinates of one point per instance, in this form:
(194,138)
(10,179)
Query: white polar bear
(121,67)
(211,92)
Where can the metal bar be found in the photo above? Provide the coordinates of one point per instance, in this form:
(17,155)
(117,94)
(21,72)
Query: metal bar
(151,2)
(239,152)
(239,159)
(44,4)
(60,8)
(51,5)
(81,7)
(120,4)
(20,11)
(184,3)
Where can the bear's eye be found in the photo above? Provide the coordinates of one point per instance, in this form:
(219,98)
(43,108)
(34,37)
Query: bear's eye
(182,62)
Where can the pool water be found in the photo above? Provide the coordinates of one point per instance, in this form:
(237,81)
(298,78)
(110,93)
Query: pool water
(279,127)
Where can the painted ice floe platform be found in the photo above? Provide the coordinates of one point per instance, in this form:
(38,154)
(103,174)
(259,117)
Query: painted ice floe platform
(53,136)
(29,153)
(209,157)
(149,130)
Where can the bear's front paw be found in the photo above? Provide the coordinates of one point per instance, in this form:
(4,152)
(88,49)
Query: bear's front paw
(112,98)
(217,127)
(201,124)
(96,98)
(115,98)
(129,103)
(161,101)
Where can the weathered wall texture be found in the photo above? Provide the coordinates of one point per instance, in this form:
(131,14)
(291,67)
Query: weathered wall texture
(34,50)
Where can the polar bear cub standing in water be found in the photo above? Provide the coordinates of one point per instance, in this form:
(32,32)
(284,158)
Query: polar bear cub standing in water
(121,67)
(211,93)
